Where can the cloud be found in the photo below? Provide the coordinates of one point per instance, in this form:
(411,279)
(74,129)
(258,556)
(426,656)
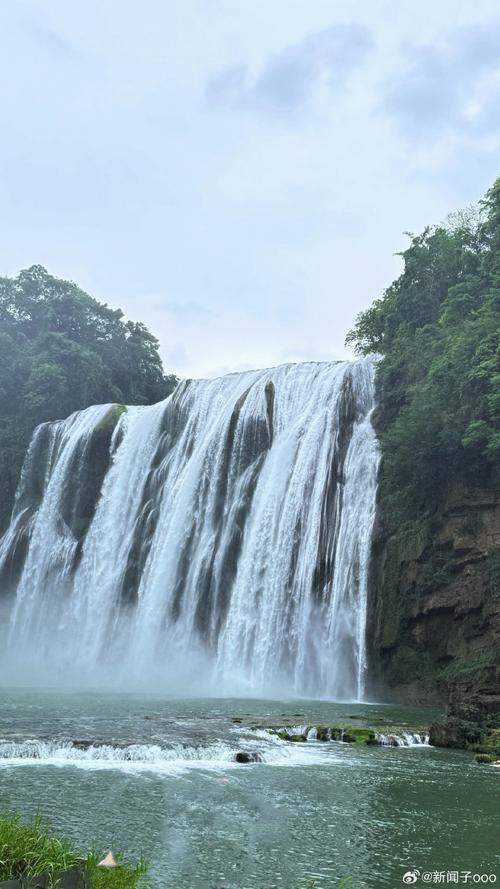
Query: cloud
(187,311)
(233,240)
(49,39)
(177,357)
(227,87)
(289,79)
(446,86)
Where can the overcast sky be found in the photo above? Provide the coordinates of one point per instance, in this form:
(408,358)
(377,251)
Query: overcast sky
(238,174)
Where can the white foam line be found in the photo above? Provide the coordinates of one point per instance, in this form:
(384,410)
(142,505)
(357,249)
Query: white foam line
(150,757)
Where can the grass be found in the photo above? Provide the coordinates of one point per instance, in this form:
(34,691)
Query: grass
(464,668)
(32,849)
(124,876)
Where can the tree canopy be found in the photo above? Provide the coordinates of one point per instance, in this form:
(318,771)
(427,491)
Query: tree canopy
(437,330)
(60,351)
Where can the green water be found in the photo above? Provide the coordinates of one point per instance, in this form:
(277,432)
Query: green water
(322,812)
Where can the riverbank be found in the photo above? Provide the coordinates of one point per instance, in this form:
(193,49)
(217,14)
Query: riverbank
(472,728)
(34,849)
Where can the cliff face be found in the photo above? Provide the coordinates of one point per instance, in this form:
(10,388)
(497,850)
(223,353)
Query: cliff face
(434,616)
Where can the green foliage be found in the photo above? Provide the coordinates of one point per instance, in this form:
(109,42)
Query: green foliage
(60,351)
(489,569)
(295,739)
(464,668)
(349,733)
(33,849)
(356,735)
(489,743)
(109,422)
(437,330)
(484,758)
(124,876)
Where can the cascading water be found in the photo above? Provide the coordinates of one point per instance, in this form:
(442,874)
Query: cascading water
(217,541)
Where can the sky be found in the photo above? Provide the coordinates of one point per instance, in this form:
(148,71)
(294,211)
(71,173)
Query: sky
(240,175)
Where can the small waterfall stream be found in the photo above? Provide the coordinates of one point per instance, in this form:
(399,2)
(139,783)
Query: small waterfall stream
(217,541)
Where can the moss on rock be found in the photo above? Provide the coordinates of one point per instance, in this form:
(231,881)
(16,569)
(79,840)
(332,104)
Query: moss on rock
(359,735)
(295,739)
(109,422)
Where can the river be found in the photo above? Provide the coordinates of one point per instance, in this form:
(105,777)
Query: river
(160,779)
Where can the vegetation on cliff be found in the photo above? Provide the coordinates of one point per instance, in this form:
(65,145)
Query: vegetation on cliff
(60,351)
(435,603)
(437,330)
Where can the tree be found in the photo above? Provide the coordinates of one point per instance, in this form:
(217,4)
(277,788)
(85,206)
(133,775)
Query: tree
(61,351)
(437,330)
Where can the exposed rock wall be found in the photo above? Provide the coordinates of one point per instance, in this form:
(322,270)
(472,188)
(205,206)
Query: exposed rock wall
(434,616)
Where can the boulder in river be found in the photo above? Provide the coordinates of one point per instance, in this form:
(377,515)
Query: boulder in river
(244,756)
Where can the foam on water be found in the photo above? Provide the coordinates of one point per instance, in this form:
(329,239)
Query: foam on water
(175,758)
(405,739)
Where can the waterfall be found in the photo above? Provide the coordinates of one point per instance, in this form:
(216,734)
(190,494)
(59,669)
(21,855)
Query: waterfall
(216,542)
